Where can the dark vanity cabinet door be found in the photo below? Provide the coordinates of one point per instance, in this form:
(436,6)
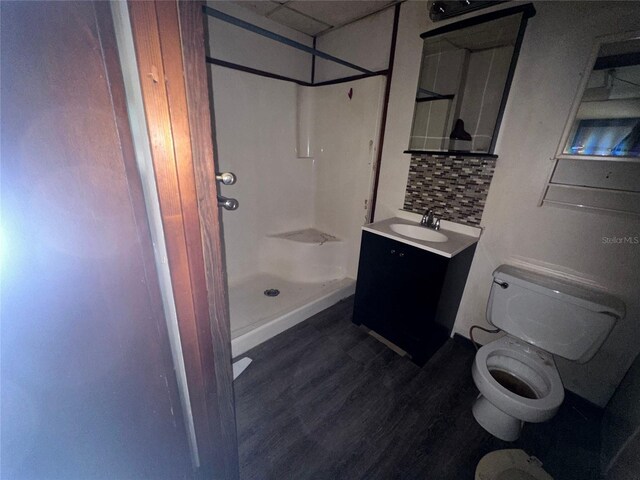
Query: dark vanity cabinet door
(397,294)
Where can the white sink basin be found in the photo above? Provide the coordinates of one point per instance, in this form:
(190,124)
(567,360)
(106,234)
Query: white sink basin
(418,232)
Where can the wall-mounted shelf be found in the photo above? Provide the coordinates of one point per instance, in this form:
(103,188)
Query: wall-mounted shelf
(451,153)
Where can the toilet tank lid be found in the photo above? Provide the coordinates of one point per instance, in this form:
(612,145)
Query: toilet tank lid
(562,289)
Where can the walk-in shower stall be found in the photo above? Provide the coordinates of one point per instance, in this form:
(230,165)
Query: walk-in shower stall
(304,155)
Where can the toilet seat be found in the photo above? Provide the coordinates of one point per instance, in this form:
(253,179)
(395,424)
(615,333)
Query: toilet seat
(534,367)
(510,464)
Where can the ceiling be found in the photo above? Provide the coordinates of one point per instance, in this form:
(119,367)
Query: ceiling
(315,17)
(483,36)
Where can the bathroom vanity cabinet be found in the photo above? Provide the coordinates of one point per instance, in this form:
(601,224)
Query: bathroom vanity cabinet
(408,295)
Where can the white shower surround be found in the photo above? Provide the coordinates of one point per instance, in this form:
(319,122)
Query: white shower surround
(307,267)
(298,225)
(306,255)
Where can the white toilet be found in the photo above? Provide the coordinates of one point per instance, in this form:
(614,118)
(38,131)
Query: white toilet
(542,316)
(511,464)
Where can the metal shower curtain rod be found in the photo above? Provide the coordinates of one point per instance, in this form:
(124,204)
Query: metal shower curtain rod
(263,73)
(279,38)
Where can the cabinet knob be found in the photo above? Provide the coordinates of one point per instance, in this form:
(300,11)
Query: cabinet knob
(392,252)
(401,254)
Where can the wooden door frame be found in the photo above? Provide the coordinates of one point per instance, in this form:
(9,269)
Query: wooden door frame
(169,38)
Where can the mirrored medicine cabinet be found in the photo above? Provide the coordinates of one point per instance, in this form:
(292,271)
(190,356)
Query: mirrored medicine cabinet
(465,74)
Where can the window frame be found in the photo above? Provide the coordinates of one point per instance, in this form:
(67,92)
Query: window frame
(569,130)
(577,101)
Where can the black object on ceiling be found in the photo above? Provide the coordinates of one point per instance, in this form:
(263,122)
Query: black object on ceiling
(441,9)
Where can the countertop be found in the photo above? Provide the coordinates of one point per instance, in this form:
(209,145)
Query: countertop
(457,240)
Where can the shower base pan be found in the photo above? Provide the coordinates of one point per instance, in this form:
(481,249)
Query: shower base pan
(256,317)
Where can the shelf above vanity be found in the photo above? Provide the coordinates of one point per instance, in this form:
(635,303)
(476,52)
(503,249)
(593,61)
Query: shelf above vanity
(451,153)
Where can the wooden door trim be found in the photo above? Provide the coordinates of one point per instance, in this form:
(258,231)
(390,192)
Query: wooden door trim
(194,47)
(110,52)
(169,41)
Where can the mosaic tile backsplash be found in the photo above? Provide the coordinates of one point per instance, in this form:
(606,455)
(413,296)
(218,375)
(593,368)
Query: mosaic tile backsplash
(455,188)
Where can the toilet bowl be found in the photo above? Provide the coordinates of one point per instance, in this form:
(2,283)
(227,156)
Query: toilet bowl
(517,383)
(541,316)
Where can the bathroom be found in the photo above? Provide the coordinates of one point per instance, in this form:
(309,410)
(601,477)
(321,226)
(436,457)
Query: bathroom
(516,230)
(373,239)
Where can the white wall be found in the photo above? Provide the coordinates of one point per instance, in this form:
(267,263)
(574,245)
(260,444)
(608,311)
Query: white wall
(255,122)
(553,58)
(256,137)
(413,21)
(278,192)
(365,43)
(346,138)
(255,119)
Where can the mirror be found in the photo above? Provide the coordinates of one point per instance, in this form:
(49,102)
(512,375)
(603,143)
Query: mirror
(464,79)
(607,119)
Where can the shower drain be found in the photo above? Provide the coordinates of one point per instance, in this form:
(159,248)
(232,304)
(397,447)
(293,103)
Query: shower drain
(272,292)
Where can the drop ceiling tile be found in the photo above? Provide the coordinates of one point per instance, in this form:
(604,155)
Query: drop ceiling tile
(335,12)
(261,7)
(297,21)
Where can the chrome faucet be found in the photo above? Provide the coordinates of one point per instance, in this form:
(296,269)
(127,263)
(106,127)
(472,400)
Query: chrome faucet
(429,221)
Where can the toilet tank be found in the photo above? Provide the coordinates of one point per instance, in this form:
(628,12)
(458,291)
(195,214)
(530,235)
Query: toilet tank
(563,318)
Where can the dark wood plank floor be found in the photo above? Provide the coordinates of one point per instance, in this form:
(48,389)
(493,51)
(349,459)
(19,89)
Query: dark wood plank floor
(325,400)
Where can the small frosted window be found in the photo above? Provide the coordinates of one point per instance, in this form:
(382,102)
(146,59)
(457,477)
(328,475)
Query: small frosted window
(607,122)
(597,167)
(618,137)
